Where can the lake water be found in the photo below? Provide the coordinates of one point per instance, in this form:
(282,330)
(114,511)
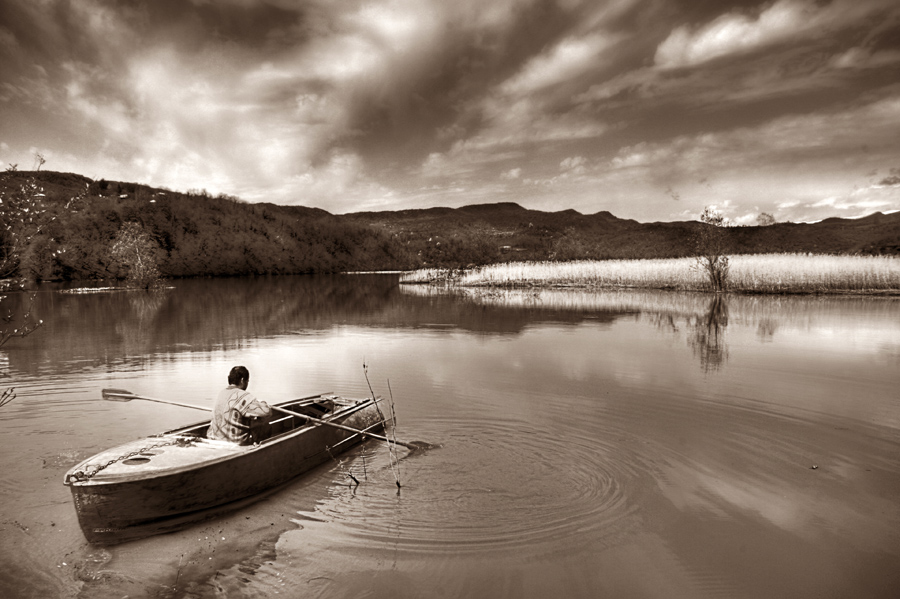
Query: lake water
(608,444)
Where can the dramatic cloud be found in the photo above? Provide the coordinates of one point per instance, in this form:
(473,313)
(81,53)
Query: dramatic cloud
(788,107)
(736,32)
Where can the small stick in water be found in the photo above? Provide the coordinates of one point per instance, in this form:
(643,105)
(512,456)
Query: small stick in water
(394,430)
(391,445)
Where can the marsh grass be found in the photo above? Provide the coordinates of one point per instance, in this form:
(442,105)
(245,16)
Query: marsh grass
(760,273)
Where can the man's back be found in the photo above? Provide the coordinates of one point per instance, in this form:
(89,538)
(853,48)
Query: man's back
(232,413)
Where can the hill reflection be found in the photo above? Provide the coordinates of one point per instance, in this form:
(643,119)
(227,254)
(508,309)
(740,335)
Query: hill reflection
(120,330)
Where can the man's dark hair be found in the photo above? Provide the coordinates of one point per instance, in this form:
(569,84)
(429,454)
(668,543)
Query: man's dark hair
(237,373)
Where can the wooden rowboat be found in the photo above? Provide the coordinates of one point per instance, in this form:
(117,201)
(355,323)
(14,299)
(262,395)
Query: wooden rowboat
(171,480)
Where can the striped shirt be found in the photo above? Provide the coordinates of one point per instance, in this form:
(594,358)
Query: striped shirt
(232,413)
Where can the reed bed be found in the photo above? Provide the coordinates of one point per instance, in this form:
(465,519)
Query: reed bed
(761,273)
(785,273)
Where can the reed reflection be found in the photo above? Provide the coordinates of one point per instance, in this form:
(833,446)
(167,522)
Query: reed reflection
(704,319)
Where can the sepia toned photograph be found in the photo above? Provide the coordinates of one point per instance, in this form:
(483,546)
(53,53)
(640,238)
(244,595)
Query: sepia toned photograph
(500,299)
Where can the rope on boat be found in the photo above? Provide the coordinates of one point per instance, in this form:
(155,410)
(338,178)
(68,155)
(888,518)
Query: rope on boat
(90,472)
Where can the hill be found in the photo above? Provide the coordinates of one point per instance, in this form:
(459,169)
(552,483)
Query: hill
(202,235)
(199,235)
(508,231)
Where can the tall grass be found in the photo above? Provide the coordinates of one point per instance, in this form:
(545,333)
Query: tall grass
(779,273)
(762,273)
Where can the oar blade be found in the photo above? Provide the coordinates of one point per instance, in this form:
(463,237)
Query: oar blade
(420,445)
(117,395)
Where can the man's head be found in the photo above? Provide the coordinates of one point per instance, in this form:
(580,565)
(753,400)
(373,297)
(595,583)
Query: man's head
(239,377)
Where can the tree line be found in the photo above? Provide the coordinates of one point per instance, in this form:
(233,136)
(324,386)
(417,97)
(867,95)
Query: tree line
(121,230)
(113,230)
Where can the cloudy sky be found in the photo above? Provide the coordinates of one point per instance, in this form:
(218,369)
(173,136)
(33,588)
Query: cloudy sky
(650,109)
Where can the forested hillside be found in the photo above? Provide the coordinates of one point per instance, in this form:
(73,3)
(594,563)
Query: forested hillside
(198,235)
(195,234)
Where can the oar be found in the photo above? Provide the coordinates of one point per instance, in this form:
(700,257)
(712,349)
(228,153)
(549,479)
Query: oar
(124,395)
(410,445)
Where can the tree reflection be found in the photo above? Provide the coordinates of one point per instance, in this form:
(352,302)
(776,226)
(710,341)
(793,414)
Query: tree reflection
(765,331)
(118,330)
(137,327)
(121,329)
(707,337)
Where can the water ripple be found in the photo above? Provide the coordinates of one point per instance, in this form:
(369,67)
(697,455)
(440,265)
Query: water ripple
(492,484)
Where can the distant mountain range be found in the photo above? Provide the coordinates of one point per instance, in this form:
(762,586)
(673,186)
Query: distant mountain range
(569,234)
(221,235)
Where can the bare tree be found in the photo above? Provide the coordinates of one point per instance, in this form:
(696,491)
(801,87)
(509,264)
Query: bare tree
(137,251)
(765,219)
(24,214)
(711,245)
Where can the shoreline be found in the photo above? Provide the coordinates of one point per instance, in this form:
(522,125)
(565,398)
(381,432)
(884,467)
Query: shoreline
(757,274)
(595,287)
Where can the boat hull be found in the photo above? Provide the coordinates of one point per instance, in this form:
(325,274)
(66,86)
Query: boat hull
(200,479)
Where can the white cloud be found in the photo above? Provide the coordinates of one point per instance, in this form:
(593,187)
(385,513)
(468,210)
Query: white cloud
(400,25)
(734,32)
(433,164)
(105,111)
(642,154)
(279,119)
(798,167)
(574,165)
(564,62)
(862,58)
(526,122)
(782,21)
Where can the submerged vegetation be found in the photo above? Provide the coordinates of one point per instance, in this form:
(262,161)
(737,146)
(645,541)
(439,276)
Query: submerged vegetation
(765,273)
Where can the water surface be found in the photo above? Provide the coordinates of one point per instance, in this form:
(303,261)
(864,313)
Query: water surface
(621,444)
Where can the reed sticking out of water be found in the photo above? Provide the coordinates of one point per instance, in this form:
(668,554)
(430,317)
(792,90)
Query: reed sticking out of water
(394,435)
(391,445)
(760,273)
(7,396)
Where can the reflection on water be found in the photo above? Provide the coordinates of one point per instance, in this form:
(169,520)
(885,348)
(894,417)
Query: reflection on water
(615,443)
(120,330)
(702,319)
(708,338)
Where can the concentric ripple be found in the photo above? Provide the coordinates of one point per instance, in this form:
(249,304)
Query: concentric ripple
(491,484)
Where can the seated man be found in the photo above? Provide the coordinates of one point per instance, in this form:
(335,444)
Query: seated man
(238,416)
